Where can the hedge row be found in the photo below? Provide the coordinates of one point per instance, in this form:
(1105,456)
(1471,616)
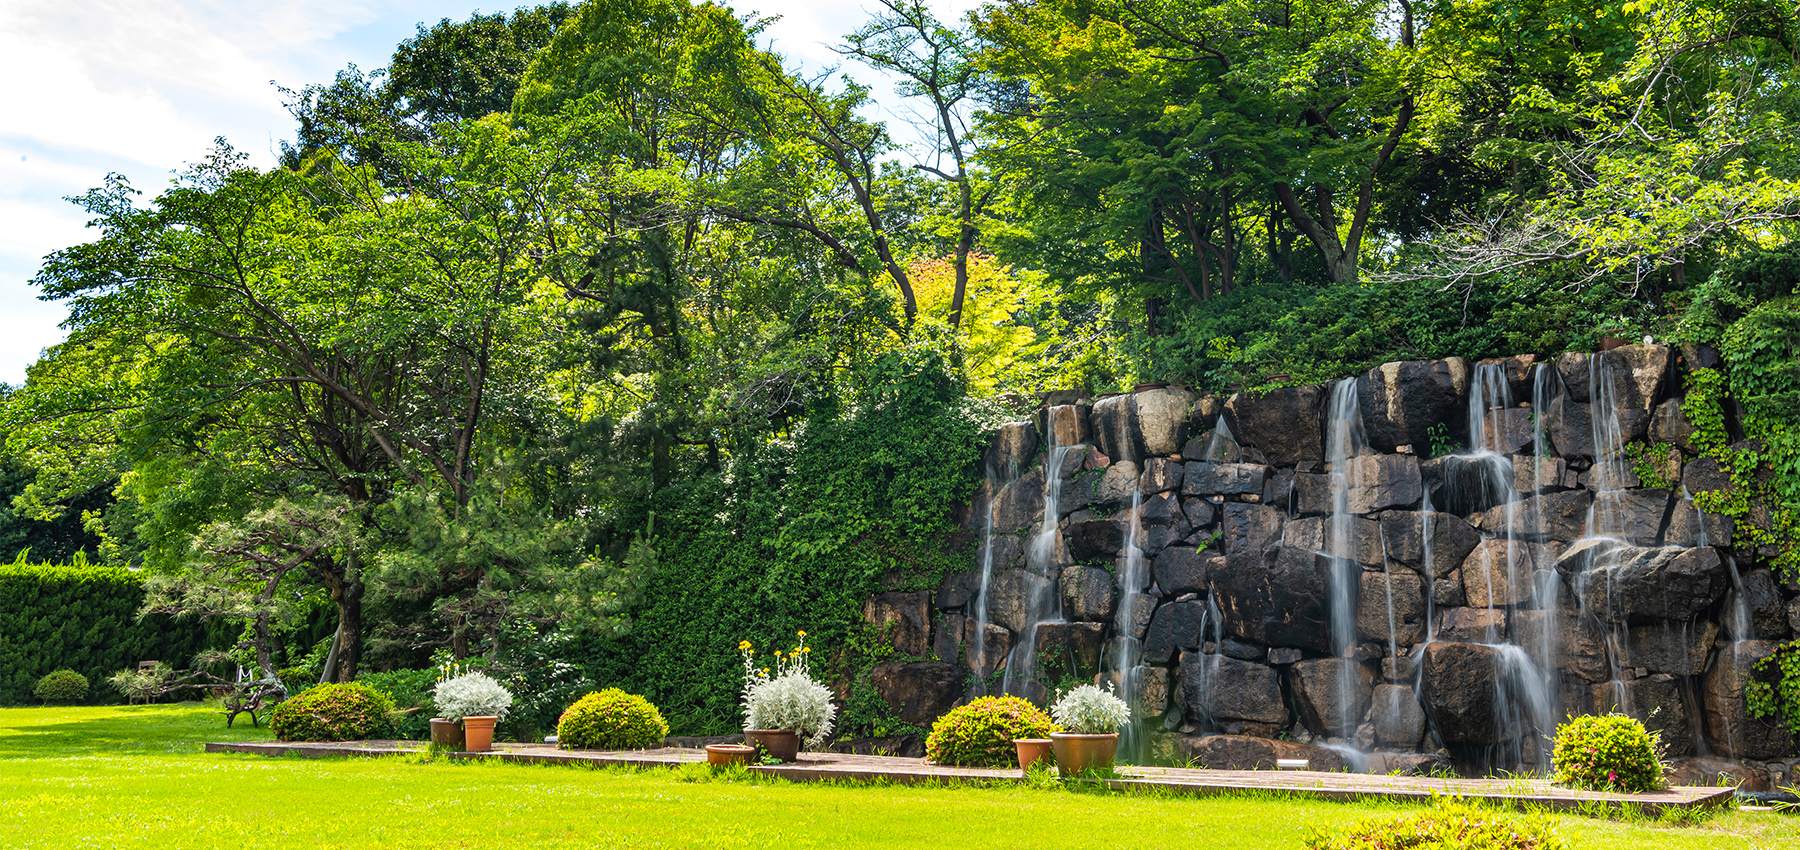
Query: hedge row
(81,618)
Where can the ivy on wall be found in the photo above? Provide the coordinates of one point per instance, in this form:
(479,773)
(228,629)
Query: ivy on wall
(796,536)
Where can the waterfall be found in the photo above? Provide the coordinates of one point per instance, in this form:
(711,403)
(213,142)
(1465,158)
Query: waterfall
(1344,441)
(978,643)
(1221,444)
(1208,672)
(1426,520)
(1126,650)
(1045,604)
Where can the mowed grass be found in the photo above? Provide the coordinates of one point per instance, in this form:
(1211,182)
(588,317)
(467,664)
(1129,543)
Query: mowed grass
(137,777)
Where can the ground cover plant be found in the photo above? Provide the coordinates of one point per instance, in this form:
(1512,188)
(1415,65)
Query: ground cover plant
(66,773)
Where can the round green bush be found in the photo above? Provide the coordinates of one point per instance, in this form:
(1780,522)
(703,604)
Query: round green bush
(62,686)
(333,712)
(611,720)
(1609,752)
(981,733)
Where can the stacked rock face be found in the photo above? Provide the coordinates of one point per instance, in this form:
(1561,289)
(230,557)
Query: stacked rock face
(1399,608)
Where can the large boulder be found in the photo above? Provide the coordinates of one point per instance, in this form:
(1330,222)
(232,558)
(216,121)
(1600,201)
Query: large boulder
(1363,543)
(1332,694)
(1569,426)
(1067,424)
(1635,516)
(1452,539)
(1162,419)
(1762,601)
(1071,649)
(1020,504)
(1471,625)
(1139,425)
(1184,569)
(1399,719)
(1011,449)
(1232,692)
(904,617)
(1655,701)
(1642,374)
(1248,530)
(1498,573)
(1282,597)
(1115,485)
(1669,424)
(1245,752)
(1174,627)
(987,652)
(1087,594)
(1459,686)
(918,692)
(1095,540)
(1402,401)
(1644,584)
(1391,607)
(1677,648)
(1704,475)
(1378,482)
(1730,730)
(1284,424)
(1160,475)
(1014,597)
(1579,642)
(1114,421)
(1222,479)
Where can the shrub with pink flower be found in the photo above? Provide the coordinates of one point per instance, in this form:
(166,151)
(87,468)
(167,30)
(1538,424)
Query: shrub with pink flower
(1609,752)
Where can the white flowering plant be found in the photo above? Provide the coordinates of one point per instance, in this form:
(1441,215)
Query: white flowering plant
(787,697)
(1087,710)
(471,695)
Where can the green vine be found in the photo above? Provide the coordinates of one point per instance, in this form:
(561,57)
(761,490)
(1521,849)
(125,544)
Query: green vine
(1705,409)
(1780,697)
(1647,463)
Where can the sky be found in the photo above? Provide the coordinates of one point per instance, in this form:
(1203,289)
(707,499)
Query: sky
(141,87)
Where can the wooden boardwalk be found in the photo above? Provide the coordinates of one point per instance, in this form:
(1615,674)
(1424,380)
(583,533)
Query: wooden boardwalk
(843,767)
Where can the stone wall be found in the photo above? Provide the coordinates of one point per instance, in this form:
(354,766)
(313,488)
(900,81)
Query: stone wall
(1481,607)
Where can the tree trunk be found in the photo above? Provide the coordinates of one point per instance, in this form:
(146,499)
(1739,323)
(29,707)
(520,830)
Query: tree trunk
(346,589)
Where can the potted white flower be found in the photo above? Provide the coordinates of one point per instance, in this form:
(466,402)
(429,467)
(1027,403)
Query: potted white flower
(786,705)
(474,702)
(1091,719)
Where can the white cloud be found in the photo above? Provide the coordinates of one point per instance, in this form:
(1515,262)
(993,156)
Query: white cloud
(142,86)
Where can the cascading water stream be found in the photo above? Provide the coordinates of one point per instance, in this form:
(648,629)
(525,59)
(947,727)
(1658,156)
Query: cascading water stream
(1044,604)
(1127,652)
(978,641)
(1344,441)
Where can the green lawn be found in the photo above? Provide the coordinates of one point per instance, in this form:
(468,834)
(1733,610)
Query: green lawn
(135,777)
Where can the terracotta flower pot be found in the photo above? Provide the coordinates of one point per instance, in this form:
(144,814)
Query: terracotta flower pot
(478,734)
(1076,753)
(1609,342)
(783,744)
(1033,750)
(446,734)
(720,755)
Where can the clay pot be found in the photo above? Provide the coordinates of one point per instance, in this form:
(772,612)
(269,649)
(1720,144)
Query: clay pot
(720,755)
(782,744)
(446,734)
(1608,343)
(1033,750)
(1150,386)
(478,734)
(1076,753)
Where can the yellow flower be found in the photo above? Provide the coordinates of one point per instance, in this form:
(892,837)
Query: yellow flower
(807,649)
(744,645)
(803,634)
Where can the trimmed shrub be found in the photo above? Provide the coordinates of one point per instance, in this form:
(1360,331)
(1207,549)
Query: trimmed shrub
(81,618)
(1447,825)
(62,686)
(981,733)
(333,712)
(611,720)
(1608,752)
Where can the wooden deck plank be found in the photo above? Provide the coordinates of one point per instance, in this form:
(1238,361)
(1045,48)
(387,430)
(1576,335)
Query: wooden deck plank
(846,767)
